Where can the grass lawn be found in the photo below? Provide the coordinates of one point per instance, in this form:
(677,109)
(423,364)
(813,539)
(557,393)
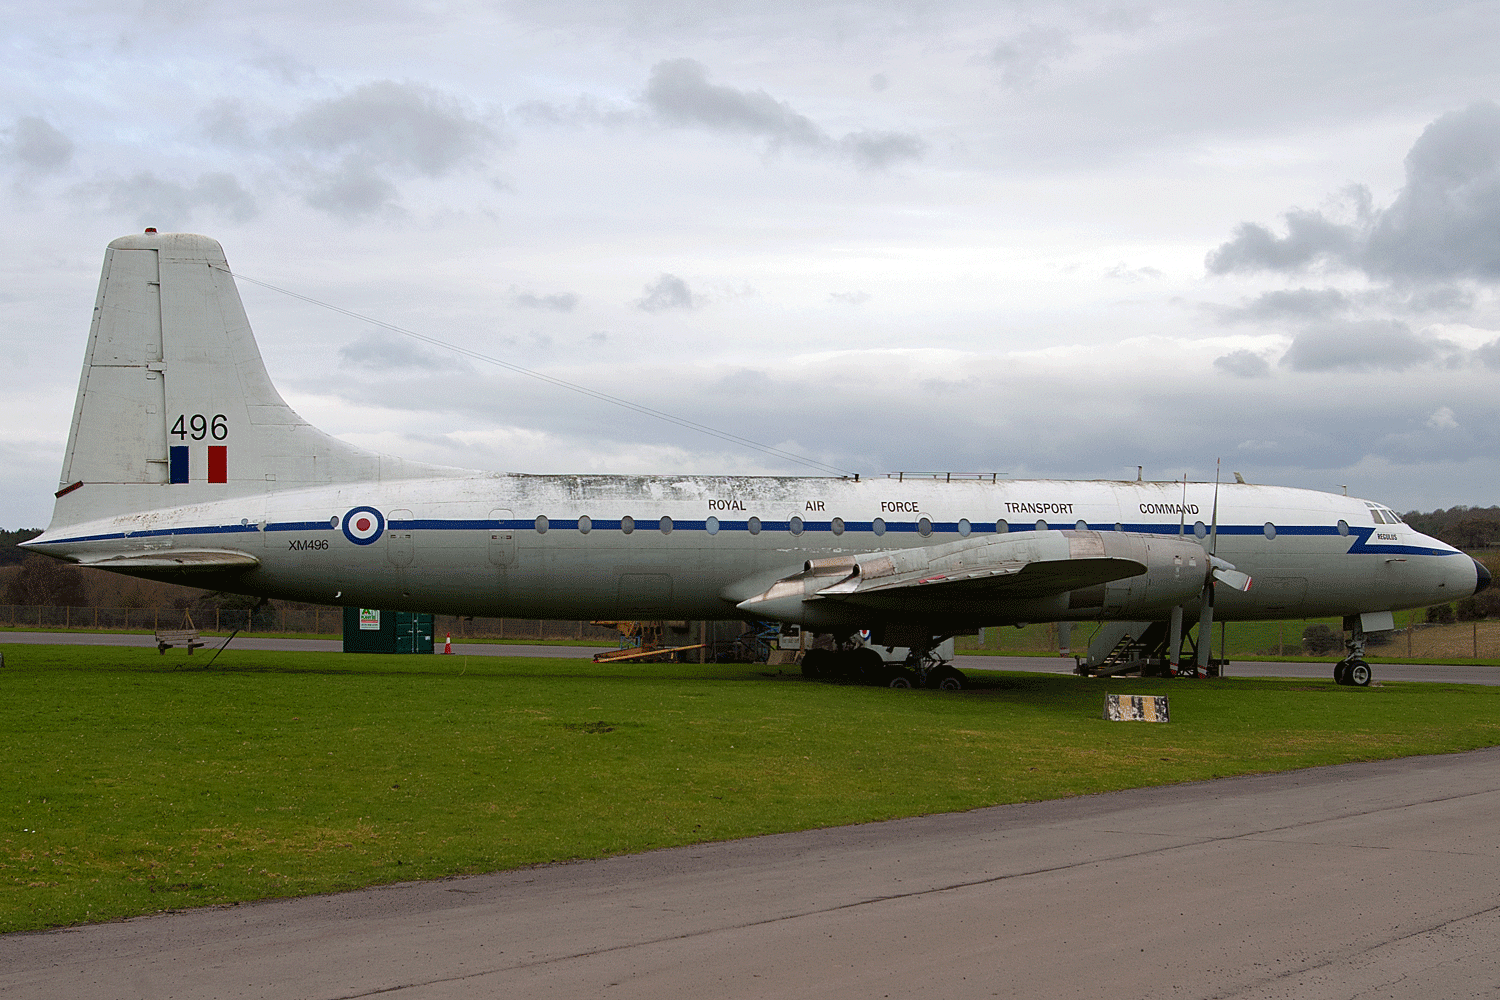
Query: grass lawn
(135,782)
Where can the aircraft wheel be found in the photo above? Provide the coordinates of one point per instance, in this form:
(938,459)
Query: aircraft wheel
(1358,673)
(1341,672)
(868,665)
(945,678)
(815,663)
(901,680)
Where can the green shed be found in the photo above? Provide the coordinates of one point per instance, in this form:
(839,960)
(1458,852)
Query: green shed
(368,630)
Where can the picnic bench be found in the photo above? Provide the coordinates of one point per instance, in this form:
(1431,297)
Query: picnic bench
(167,638)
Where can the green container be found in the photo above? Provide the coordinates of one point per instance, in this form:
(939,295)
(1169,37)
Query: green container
(367,630)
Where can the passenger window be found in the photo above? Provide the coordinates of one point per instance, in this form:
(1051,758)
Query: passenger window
(711,525)
(754,525)
(1002,526)
(1041,524)
(1080,525)
(541,524)
(1343,527)
(585,524)
(1270,530)
(796,525)
(1200,529)
(838,526)
(878,526)
(963,527)
(666,525)
(627,524)
(925,526)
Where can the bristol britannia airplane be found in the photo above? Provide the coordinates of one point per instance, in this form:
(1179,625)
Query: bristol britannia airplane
(184,464)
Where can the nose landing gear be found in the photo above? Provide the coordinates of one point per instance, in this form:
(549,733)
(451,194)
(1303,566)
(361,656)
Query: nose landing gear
(1352,669)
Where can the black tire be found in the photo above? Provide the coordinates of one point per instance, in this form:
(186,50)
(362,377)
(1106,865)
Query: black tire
(946,678)
(1358,673)
(901,680)
(815,663)
(868,666)
(1341,672)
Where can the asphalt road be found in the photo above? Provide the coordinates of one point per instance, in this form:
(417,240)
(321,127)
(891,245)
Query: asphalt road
(1364,880)
(1448,674)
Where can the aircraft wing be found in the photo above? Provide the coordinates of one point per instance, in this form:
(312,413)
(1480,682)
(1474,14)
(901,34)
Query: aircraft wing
(974,570)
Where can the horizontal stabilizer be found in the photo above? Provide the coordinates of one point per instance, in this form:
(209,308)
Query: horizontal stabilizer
(179,561)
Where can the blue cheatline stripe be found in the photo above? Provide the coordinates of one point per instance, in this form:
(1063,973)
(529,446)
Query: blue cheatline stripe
(177,463)
(1359,536)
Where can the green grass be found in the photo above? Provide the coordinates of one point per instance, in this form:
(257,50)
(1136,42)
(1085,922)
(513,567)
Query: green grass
(135,783)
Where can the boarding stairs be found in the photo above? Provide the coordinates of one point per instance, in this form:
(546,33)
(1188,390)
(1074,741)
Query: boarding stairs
(1120,648)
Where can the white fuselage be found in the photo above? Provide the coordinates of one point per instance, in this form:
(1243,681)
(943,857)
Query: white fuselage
(693,547)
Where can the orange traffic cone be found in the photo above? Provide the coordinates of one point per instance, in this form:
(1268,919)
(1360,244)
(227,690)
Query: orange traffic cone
(448,645)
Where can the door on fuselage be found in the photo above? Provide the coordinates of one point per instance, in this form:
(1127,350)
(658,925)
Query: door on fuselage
(398,538)
(502,538)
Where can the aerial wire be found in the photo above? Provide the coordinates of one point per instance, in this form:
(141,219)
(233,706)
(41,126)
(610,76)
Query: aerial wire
(683,422)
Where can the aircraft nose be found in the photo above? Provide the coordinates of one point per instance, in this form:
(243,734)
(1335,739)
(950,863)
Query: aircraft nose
(1483,575)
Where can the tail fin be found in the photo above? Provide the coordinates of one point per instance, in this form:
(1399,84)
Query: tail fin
(174,404)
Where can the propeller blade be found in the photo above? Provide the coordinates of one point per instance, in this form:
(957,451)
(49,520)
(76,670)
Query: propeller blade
(1233,578)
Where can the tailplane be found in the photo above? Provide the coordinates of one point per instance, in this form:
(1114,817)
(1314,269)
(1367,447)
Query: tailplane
(174,404)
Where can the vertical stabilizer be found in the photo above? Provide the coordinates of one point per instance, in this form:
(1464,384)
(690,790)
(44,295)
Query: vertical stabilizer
(174,404)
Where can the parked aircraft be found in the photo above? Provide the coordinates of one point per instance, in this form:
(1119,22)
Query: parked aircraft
(184,463)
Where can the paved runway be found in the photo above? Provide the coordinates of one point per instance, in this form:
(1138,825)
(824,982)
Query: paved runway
(1448,674)
(1363,880)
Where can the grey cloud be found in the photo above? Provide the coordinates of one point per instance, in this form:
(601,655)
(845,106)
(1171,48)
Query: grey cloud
(667,292)
(1024,58)
(1244,364)
(405,127)
(1124,273)
(352,190)
(38,147)
(1445,222)
(1311,238)
(1489,354)
(389,353)
(1443,225)
(1366,345)
(225,123)
(878,150)
(678,92)
(1292,304)
(169,204)
(557,302)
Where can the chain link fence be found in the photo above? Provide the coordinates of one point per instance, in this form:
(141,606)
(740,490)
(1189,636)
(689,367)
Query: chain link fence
(279,620)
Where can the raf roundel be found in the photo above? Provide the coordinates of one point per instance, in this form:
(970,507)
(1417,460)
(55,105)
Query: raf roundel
(363,525)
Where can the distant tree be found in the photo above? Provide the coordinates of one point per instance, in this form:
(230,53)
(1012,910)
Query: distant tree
(11,554)
(1467,609)
(1441,614)
(46,581)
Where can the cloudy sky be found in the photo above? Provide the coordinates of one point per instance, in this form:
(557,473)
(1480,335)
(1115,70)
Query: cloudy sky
(1050,239)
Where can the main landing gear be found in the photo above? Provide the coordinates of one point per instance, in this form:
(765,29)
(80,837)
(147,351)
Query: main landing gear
(1352,669)
(851,660)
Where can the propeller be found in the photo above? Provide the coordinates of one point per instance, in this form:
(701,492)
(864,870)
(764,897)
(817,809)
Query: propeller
(1220,571)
